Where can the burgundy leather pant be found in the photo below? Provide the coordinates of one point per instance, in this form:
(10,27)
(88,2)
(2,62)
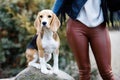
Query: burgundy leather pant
(79,37)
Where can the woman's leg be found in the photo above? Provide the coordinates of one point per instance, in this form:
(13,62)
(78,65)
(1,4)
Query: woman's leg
(101,47)
(79,44)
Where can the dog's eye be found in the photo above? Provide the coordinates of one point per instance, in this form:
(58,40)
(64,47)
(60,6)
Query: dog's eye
(49,16)
(41,16)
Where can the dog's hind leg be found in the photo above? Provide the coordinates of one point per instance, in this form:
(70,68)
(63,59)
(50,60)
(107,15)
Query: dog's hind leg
(32,58)
(30,54)
(34,63)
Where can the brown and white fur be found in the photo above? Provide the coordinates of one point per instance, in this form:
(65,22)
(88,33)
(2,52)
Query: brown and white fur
(47,42)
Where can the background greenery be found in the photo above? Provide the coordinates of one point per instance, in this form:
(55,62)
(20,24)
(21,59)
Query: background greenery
(16,30)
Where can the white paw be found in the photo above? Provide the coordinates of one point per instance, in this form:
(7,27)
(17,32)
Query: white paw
(36,65)
(55,70)
(45,71)
(49,66)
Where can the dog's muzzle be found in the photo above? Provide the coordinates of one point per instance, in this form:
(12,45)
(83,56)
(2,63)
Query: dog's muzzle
(44,23)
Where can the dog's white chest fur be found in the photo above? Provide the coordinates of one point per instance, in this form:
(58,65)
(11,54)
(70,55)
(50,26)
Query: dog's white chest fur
(48,43)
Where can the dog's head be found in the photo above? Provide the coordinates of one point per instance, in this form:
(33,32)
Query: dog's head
(47,19)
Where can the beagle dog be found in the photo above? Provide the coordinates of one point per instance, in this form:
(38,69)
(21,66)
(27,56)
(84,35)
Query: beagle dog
(44,43)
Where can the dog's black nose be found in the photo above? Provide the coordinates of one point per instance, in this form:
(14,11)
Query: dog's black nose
(44,23)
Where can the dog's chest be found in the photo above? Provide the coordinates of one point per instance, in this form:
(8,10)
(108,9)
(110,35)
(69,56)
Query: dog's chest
(49,44)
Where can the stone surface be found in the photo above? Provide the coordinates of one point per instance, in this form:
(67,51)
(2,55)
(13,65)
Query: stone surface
(31,73)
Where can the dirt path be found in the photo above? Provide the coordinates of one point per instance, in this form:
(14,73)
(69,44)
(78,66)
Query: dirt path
(115,47)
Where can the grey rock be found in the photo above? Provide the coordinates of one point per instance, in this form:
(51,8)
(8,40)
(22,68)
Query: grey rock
(31,73)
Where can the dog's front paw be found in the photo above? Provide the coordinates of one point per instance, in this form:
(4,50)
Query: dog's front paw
(55,70)
(49,66)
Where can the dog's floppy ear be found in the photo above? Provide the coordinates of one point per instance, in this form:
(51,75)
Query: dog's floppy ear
(37,23)
(55,23)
